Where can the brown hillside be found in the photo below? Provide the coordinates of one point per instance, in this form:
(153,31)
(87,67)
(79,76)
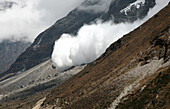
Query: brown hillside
(127,65)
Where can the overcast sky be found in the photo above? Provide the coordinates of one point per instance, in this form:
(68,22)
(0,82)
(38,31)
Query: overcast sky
(30,17)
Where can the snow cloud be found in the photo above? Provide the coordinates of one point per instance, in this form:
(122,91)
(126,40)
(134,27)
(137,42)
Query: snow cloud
(27,18)
(92,40)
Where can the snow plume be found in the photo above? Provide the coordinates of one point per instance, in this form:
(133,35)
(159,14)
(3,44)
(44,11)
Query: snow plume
(27,18)
(89,44)
(95,6)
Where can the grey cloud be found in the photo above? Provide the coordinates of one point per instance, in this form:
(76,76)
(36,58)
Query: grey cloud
(95,6)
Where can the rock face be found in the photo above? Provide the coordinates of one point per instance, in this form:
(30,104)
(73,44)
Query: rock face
(132,73)
(42,47)
(129,10)
(9,51)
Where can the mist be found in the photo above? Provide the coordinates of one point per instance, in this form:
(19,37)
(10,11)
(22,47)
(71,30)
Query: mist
(100,6)
(28,18)
(92,40)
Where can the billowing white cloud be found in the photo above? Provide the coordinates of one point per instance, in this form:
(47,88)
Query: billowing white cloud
(89,44)
(92,41)
(28,18)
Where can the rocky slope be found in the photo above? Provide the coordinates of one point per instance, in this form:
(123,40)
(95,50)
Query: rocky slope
(155,94)
(132,73)
(42,47)
(35,82)
(9,51)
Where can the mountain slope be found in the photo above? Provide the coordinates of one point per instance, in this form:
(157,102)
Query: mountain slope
(9,51)
(42,47)
(125,67)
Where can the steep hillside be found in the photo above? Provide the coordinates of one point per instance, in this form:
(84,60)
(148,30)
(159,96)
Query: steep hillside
(9,51)
(126,67)
(42,47)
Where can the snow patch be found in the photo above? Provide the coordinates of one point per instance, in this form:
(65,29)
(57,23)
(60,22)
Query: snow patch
(137,4)
(38,44)
(39,103)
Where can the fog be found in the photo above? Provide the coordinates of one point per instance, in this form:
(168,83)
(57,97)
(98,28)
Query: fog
(28,18)
(95,6)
